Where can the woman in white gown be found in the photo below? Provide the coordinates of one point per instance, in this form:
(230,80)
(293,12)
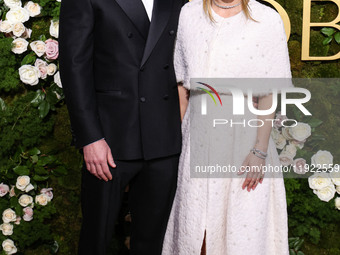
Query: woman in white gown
(246,41)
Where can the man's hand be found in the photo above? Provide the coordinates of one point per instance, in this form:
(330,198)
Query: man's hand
(97,156)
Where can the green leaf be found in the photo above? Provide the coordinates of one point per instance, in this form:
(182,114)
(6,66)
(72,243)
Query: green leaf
(34,158)
(43,161)
(21,170)
(2,104)
(40,178)
(54,247)
(38,98)
(34,151)
(14,201)
(59,171)
(327,40)
(314,122)
(292,252)
(28,59)
(337,37)
(40,170)
(300,253)
(328,31)
(298,244)
(42,38)
(43,108)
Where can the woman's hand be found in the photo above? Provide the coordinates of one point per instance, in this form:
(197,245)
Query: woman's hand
(253,166)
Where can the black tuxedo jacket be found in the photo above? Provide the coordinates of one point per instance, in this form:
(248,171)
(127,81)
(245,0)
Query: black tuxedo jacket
(118,76)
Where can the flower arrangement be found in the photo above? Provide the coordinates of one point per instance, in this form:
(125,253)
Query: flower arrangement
(39,66)
(26,201)
(290,142)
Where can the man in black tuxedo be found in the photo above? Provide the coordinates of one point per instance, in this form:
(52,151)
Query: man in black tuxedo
(118,78)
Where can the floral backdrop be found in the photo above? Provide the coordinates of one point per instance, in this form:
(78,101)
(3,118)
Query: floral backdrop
(40,171)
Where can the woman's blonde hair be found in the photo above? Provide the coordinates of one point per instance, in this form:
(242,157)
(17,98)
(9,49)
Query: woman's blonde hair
(207,9)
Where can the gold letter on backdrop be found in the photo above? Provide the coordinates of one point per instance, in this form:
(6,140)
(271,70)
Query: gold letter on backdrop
(283,14)
(307,24)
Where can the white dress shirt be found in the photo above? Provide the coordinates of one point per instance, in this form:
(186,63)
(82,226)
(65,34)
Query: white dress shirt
(148,4)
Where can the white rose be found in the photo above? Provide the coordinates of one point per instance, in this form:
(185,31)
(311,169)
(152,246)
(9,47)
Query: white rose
(286,159)
(22,182)
(19,45)
(337,188)
(33,9)
(57,79)
(38,47)
(298,144)
(17,14)
(285,133)
(6,26)
(54,28)
(7,229)
(51,69)
(42,199)
(290,150)
(335,176)
(279,140)
(319,181)
(300,132)
(8,216)
(322,159)
(27,33)
(25,200)
(337,203)
(18,29)
(325,194)
(59,1)
(29,74)
(9,247)
(12,3)
(29,188)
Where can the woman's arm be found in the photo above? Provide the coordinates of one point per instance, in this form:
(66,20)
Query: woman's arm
(183,99)
(253,162)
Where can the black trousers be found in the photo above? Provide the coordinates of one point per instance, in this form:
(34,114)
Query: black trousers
(152,189)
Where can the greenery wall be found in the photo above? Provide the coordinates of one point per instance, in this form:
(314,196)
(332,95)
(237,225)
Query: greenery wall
(45,125)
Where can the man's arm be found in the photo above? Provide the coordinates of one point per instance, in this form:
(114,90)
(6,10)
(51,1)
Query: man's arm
(76,46)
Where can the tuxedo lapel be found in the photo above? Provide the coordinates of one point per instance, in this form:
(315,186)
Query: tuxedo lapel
(160,16)
(136,12)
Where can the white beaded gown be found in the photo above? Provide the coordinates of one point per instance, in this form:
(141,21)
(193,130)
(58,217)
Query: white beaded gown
(236,222)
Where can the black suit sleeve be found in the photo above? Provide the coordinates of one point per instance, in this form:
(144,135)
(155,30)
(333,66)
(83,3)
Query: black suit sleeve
(76,46)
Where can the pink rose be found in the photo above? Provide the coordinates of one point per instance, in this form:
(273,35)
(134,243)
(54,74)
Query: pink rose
(42,66)
(48,192)
(4,189)
(17,221)
(278,120)
(52,49)
(300,166)
(12,192)
(28,214)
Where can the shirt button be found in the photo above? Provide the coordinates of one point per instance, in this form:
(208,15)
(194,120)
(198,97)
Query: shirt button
(166,67)
(171,32)
(142,99)
(165,97)
(142,69)
(130,34)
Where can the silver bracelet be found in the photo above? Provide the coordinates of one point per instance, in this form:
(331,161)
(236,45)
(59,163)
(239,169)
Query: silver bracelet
(257,154)
(261,152)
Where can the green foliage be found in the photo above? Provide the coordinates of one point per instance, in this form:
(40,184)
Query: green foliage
(8,66)
(21,127)
(330,33)
(295,244)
